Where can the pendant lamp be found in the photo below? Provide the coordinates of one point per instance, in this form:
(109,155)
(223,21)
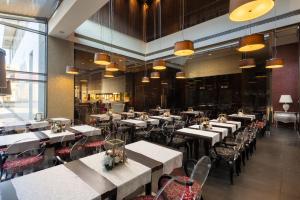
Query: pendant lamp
(245,10)
(2,69)
(252,42)
(108,74)
(113,67)
(72,70)
(247,63)
(184,48)
(145,79)
(102,59)
(275,63)
(155,75)
(180,75)
(159,65)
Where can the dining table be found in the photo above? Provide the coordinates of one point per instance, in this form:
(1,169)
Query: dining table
(17,143)
(209,138)
(223,132)
(237,123)
(244,118)
(231,127)
(85,130)
(29,124)
(88,179)
(138,123)
(107,117)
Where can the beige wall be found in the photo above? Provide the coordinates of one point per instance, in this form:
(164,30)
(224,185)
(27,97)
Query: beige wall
(213,66)
(117,84)
(60,85)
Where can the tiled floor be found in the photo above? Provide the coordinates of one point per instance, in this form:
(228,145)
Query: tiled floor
(272,173)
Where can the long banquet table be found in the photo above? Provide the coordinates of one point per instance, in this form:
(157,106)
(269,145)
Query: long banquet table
(87,178)
(222,131)
(210,138)
(231,127)
(25,141)
(237,123)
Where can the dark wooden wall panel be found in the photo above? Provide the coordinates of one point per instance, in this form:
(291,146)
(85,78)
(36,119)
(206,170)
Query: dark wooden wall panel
(286,80)
(128,16)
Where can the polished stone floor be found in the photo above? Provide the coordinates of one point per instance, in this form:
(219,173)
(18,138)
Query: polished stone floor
(272,173)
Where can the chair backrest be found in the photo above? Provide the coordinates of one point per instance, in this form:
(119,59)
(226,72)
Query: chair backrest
(201,170)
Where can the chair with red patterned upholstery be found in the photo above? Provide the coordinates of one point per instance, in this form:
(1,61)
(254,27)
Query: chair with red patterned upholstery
(16,163)
(183,187)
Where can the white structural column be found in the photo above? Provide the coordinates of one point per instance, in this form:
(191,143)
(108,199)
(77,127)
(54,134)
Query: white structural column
(71,14)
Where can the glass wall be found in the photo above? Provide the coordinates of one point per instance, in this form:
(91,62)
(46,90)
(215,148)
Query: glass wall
(25,46)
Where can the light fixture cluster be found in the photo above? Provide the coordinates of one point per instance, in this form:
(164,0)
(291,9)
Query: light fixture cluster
(245,10)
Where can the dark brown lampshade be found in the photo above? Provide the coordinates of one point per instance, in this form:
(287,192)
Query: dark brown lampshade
(247,63)
(180,75)
(72,70)
(102,59)
(252,42)
(275,63)
(2,69)
(245,10)
(113,67)
(184,48)
(145,79)
(159,65)
(155,75)
(7,90)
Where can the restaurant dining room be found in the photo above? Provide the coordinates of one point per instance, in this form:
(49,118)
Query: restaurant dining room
(149,99)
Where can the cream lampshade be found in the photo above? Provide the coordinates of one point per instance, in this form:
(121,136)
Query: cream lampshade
(285,99)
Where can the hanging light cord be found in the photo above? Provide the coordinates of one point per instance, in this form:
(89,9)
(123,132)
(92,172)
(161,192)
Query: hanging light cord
(110,25)
(144,33)
(182,26)
(275,34)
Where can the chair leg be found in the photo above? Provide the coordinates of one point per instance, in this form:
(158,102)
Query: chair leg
(231,173)
(243,155)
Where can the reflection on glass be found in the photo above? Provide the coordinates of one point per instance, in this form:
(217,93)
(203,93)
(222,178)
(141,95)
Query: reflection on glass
(26,68)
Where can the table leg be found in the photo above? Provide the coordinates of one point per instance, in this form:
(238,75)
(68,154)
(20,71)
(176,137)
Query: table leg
(196,149)
(148,188)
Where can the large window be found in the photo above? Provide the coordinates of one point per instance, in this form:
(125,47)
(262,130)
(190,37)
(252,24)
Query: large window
(25,46)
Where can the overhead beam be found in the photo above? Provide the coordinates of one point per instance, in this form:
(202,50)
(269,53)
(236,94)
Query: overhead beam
(71,14)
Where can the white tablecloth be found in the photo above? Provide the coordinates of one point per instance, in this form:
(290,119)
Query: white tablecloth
(134,122)
(61,120)
(128,177)
(191,112)
(106,117)
(20,142)
(38,124)
(171,159)
(239,124)
(13,125)
(232,126)
(160,117)
(224,131)
(214,137)
(251,117)
(128,114)
(87,130)
(59,137)
(53,184)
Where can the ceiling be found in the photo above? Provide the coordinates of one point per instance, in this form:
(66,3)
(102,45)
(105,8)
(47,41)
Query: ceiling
(128,16)
(30,8)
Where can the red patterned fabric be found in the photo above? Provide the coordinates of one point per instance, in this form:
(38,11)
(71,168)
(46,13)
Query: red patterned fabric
(145,198)
(64,151)
(176,191)
(94,144)
(21,163)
